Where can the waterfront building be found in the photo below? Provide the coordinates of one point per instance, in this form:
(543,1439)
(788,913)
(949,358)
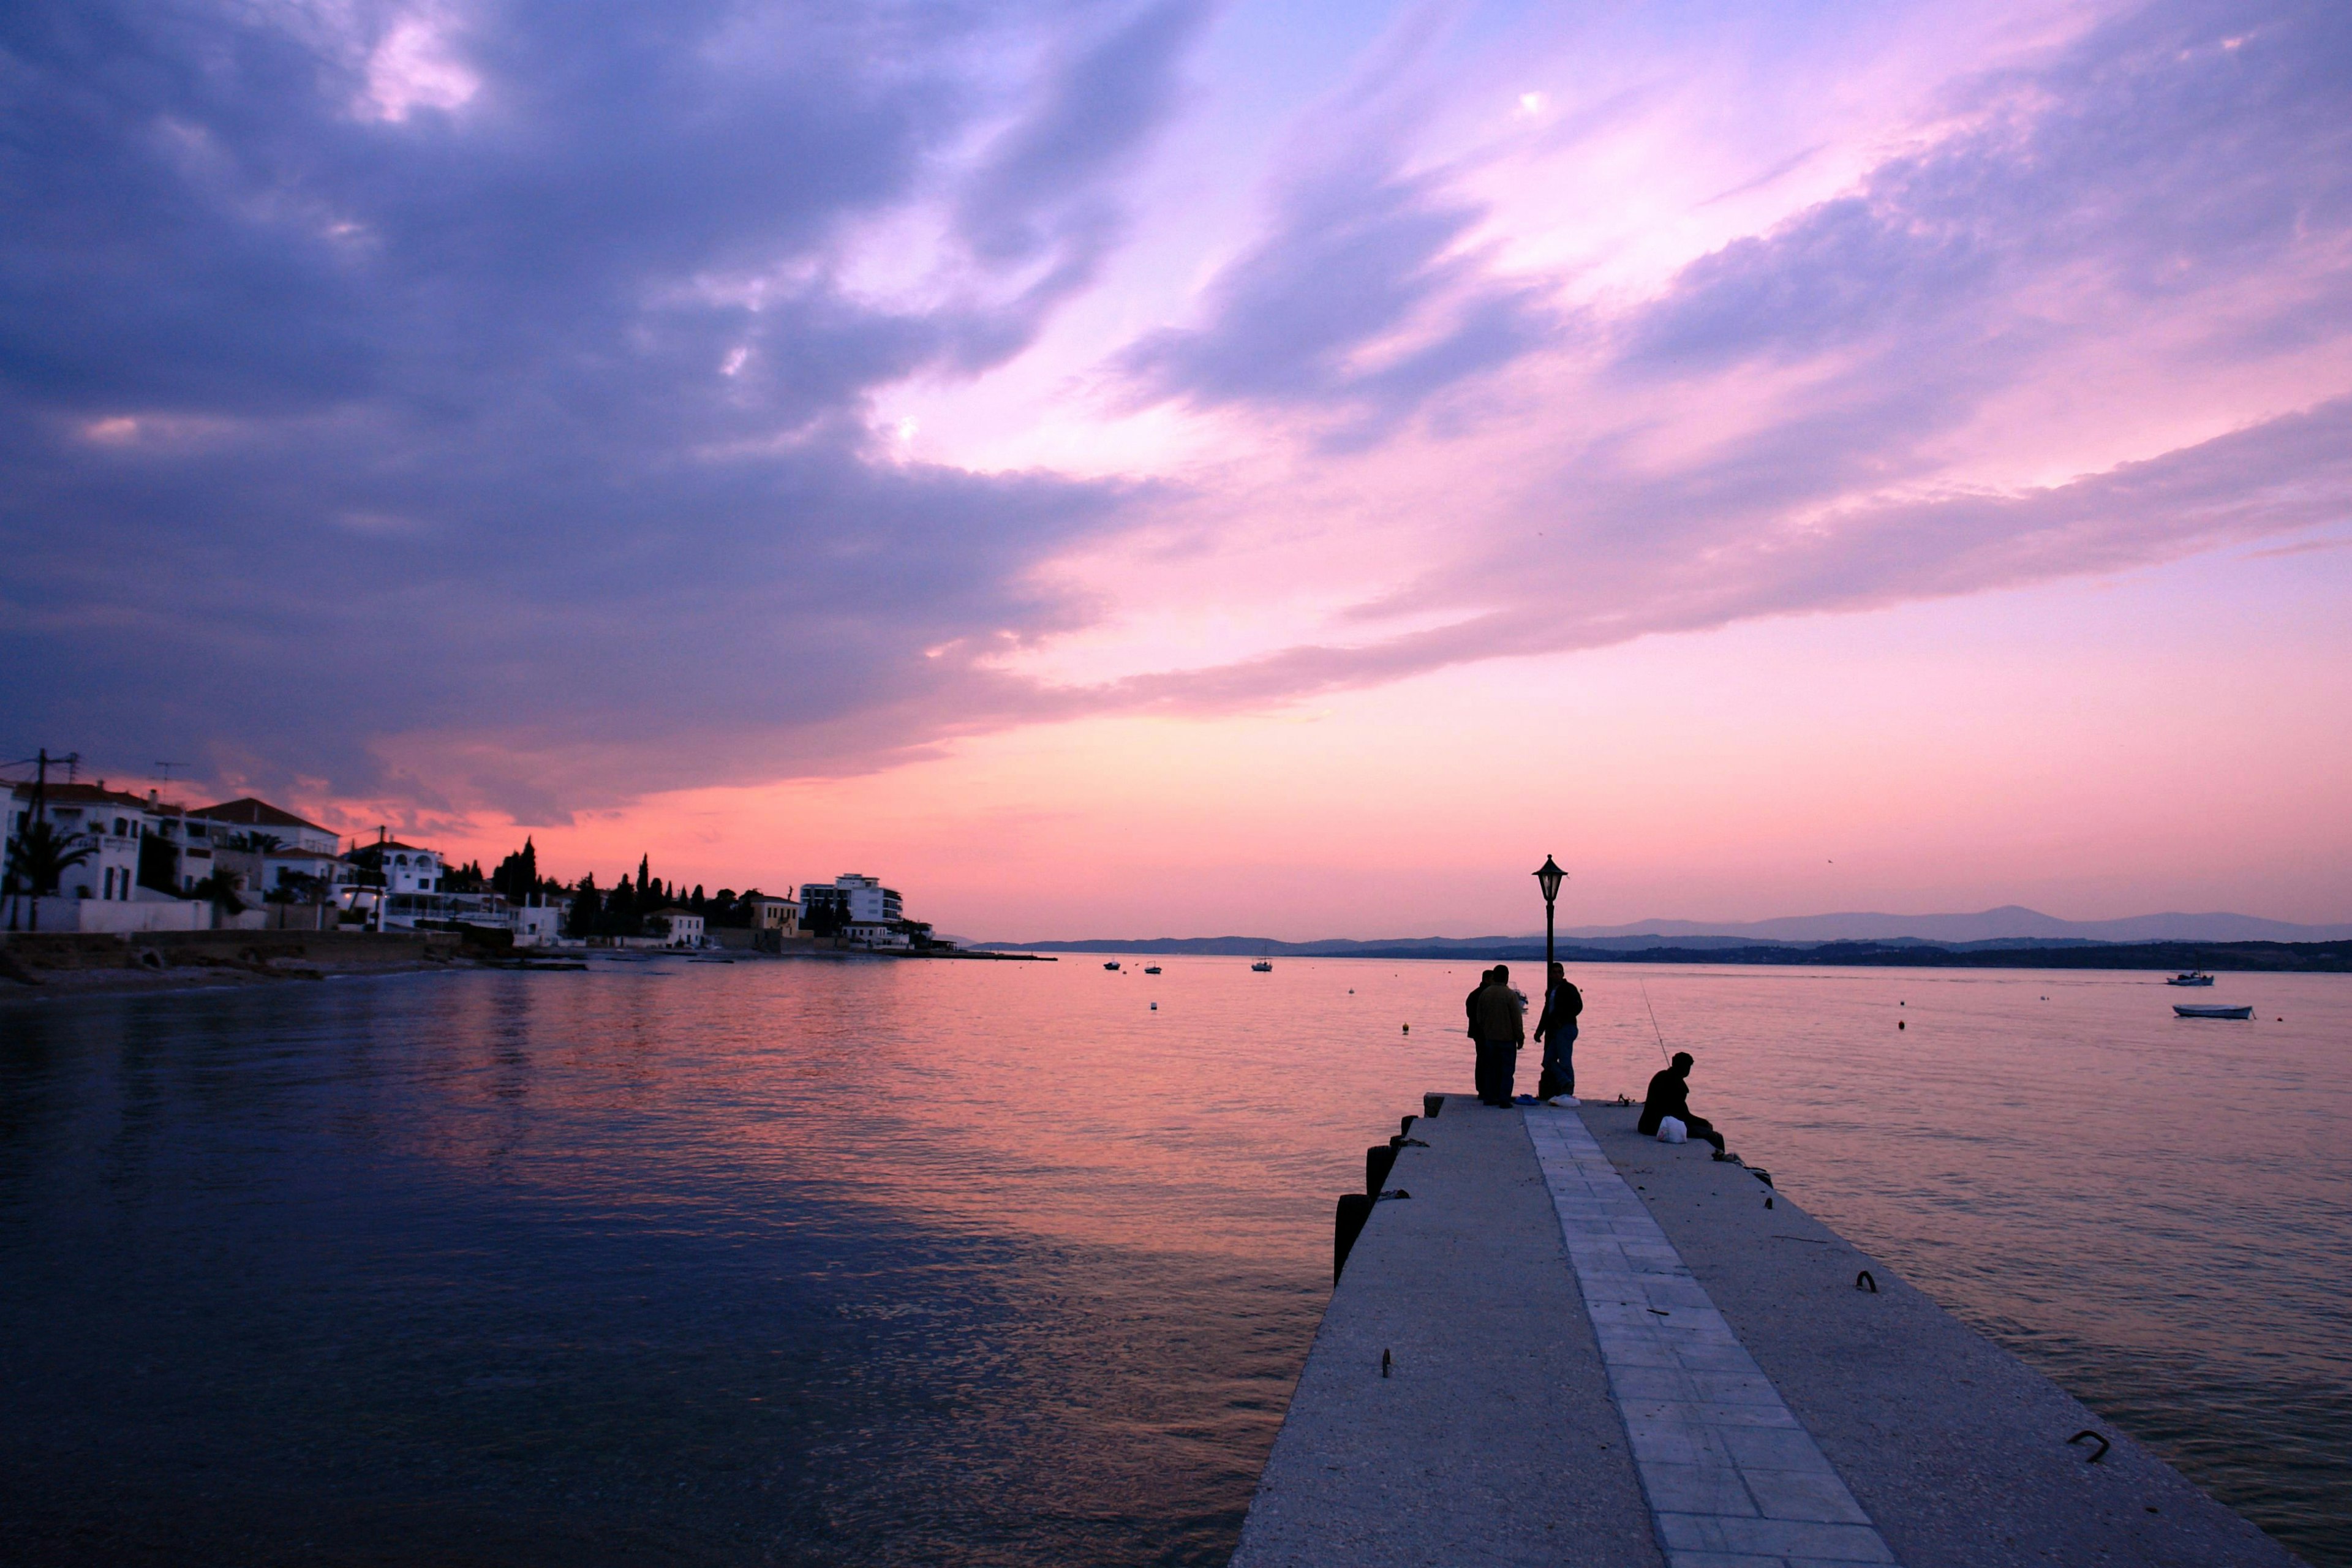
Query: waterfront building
(112,825)
(854,898)
(394,866)
(675,927)
(133,872)
(303,876)
(255,817)
(267,852)
(772,914)
(539,921)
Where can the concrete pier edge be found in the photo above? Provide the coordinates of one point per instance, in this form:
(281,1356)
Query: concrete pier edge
(1573,1344)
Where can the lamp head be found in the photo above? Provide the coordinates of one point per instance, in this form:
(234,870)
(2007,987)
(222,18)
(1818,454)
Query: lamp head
(1548,877)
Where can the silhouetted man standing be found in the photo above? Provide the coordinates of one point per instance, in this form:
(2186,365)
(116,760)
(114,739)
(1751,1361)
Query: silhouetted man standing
(1497,1026)
(1556,1032)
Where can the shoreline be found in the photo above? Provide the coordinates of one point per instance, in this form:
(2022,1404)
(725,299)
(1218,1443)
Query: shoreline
(2216,957)
(38,968)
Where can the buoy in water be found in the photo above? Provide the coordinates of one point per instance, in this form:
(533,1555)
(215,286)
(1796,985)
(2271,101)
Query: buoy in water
(1898,1022)
(1155,1006)
(1408,1028)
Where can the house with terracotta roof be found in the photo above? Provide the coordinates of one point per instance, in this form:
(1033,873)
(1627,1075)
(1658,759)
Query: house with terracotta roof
(257,817)
(111,824)
(129,877)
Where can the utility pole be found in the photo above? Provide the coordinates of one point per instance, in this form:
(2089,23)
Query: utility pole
(72,760)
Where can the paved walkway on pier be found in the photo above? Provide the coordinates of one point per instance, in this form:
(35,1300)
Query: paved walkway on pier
(1732,1477)
(1742,1404)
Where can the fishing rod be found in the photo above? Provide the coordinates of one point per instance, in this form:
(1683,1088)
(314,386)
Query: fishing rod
(1653,1024)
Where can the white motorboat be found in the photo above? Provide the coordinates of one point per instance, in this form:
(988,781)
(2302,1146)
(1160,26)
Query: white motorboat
(2190,977)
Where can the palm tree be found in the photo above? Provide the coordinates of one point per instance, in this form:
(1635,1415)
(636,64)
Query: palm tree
(38,856)
(221,888)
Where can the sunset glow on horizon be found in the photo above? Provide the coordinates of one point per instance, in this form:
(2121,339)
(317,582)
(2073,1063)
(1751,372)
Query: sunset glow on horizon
(1178,469)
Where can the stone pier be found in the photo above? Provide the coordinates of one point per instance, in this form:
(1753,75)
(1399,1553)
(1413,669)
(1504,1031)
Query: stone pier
(1572,1345)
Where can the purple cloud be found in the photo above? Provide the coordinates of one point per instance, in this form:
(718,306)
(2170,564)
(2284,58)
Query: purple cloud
(534,424)
(517,433)
(1359,254)
(2177,152)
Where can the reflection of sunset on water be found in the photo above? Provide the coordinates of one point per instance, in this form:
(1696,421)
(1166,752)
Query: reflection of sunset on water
(997,1251)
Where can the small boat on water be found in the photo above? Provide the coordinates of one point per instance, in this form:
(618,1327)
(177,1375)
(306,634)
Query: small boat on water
(2210,1010)
(2190,977)
(1150,969)
(1263,966)
(1112,964)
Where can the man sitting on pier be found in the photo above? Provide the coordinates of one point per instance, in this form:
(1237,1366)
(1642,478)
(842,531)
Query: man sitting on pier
(1670,1096)
(1497,1026)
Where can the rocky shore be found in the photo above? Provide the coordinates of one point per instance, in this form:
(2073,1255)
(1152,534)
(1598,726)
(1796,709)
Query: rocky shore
(45,966)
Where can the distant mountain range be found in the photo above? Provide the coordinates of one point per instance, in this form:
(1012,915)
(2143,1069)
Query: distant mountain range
(2009,926)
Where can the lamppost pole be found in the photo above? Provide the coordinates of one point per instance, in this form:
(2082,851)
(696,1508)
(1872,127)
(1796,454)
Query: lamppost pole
(1548,877)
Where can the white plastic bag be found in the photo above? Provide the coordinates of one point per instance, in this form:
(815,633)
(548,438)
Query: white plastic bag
(1672,1130)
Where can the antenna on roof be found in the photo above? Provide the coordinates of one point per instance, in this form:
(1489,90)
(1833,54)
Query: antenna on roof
(165,769)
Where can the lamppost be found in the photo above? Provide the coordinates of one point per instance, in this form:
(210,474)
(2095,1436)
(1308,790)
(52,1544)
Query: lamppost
(1548,877)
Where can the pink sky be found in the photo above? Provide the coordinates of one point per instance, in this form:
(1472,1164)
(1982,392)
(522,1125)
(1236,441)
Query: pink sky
(1186,469)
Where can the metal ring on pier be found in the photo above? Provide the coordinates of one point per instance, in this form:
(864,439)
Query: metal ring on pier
(1865,1281)
(2095,1437)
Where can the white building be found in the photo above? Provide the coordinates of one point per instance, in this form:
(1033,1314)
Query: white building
(125,835)
(871,903)
(394,866)
(430,912)
(675,926)
(255,817)
(858,899)
(310,875)
(111,825)
(540,923)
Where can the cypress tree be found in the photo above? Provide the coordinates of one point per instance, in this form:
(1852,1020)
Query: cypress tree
(587,909)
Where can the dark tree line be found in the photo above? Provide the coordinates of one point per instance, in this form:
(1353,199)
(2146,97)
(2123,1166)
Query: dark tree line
(621,910)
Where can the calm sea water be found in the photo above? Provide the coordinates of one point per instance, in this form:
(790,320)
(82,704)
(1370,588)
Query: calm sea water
(881,1263)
